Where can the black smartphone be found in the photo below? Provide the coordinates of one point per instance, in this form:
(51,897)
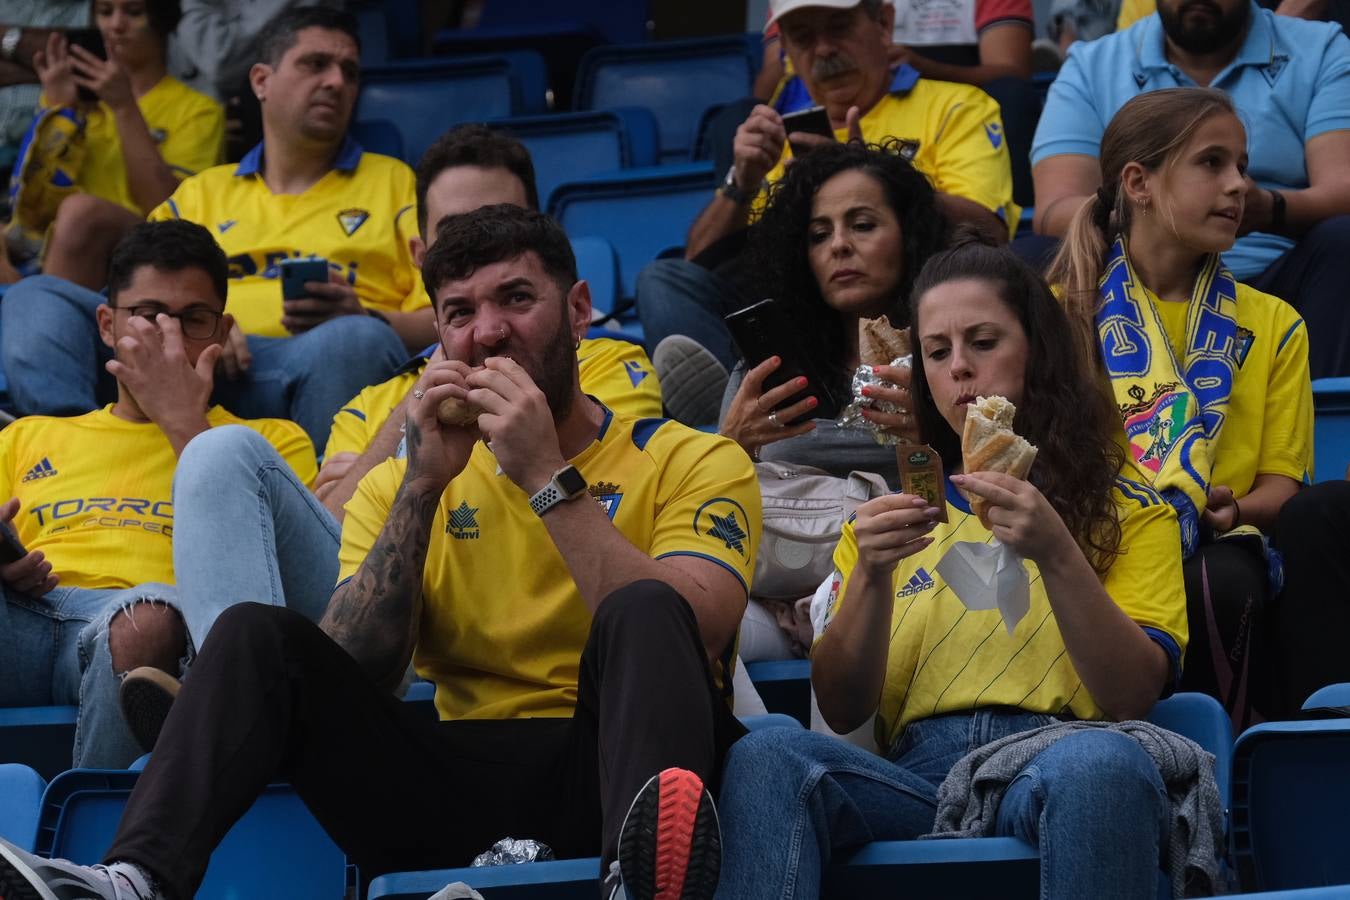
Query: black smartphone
(11,550)
(764,329)
(90,39)
(295,272)
(810,121)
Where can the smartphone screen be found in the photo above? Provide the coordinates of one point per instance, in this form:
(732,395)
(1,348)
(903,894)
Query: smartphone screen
(810,121)
(11,550)
(90,39)
(764,330)
(295,272)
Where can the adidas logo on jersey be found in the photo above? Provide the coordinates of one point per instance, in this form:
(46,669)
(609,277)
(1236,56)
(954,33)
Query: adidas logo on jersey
(44,469)
(919,582)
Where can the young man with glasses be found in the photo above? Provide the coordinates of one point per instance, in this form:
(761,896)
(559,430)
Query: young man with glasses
(88,594)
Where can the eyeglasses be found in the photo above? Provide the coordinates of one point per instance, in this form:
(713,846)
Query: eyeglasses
(198,324)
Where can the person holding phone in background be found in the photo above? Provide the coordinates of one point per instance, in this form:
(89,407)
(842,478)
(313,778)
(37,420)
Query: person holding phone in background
(113,136)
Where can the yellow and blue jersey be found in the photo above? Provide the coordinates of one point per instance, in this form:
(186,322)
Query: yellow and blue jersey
(503,624)
(359,216)
(96,491)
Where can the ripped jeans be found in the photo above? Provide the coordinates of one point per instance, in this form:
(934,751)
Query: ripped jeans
(54,651)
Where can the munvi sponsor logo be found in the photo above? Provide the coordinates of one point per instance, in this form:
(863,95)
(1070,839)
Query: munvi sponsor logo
(919,582)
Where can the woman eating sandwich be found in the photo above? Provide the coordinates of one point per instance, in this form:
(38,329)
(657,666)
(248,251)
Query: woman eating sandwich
(1101,640)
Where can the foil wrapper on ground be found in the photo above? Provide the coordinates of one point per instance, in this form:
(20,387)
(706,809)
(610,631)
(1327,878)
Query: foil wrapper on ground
(852,416)
(510,852)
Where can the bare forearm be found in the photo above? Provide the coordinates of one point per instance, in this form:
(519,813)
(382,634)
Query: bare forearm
(148,176)
(1308,207)
(1053,219)
(981,74)
(13,73)
(1261,506)
(1123,669)
(848,665)
(180,434)
(384,446)
(416,329)
(602,560)
(959,209)
(374,616)
(719,218)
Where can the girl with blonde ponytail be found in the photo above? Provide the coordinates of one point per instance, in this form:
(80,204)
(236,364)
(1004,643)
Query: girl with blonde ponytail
(1210,377)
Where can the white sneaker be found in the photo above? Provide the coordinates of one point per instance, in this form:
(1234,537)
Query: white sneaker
(27,876)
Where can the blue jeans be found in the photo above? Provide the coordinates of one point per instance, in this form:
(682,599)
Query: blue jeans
(54,651)
(792,801)
(675,296)
(53,358)
(246,529)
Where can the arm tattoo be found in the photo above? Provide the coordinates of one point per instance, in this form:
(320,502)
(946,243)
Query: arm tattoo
(375,615)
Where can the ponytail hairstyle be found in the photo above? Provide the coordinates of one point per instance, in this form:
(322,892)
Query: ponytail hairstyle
(1072,423)
(1151,129)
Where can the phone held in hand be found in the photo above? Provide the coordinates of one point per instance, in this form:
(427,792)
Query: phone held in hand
(90,39)
(11,550)
(295,272)
(764,329)
(808,121)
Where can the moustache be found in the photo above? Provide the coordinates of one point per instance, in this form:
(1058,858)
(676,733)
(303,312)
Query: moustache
(828,67)
(1200,6)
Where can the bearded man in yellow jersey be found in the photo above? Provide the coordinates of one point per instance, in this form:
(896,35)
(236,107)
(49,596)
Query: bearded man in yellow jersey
(563,573)
(308,190)
(90,502)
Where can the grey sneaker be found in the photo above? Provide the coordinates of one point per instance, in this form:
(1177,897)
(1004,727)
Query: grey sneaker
(26,876)
(670,845)
(692,380)
(147,695)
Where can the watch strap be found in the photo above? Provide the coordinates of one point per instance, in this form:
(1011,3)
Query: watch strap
(553,493)
(1278,212)
(732,191)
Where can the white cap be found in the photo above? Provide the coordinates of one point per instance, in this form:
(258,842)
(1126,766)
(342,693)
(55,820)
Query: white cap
(780,8)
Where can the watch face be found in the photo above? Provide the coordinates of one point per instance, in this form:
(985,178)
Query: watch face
(571,481)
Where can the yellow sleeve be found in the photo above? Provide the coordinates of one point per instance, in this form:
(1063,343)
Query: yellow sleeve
(620,374)
(366,514)
(351,431)
(405,226)
(8,477)
(182,198)
(969,155)
(1145,580)
(417,296)
(292,445)
(1132,11)
(1287,433)
(197,142)
(710,507)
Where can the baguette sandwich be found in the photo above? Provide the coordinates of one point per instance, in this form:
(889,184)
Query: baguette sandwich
(989,444)
(879,344)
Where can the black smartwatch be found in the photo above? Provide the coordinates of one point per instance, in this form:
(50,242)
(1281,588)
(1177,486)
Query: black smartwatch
(566,484)
(1278,212)
(732,191)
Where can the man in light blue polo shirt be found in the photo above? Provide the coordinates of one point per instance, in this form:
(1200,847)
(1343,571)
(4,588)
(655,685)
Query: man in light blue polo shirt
(1290,80)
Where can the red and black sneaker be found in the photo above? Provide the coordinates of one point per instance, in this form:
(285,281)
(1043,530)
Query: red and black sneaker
(670,846)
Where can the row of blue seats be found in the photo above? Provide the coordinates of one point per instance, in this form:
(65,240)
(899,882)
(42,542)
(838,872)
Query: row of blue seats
(1287,786)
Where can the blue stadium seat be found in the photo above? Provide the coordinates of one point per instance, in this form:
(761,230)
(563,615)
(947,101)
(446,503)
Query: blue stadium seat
(676,80)
(20,803)
(598,266)
(640,211)
(1332,697)
(276,850)
(378,136)
(617,22)
(1291,804)
(424,98)
(374,29)
(42,737)
(1331,428)
(785,686)
(572,146)
(403,27)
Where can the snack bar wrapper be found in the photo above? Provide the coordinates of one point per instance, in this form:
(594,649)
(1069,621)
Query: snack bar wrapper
(878,345)
(988,576)
(921,475)
(510,852)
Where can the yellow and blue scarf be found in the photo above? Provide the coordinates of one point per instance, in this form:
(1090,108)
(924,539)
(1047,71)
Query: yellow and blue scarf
(44,174)
(1172,411)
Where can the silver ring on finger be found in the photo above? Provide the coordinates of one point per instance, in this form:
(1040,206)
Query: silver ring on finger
(418,393)
(773,418)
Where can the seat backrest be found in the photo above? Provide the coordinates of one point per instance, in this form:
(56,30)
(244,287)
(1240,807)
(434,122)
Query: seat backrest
(276,850)
(1202,719)
(570,146)
(38,736)
(20,804)
(379,136)
(640,212)
(676,80)
(598,266)
(620,22)
(1331,428)
(1291,804)
(425,98)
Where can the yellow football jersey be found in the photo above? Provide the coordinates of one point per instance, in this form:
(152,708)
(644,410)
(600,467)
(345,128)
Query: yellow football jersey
(615,372)
(1268,428)
(188,127)
(502,624)
(953,133)
(945,658)
(96,491)
(359,217)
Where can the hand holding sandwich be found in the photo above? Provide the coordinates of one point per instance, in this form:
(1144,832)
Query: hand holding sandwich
(437,452)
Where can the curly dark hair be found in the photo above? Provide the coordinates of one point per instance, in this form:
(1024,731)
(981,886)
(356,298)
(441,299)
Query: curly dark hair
(1064,410)
(469,241)
(169,246)
(779,258)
